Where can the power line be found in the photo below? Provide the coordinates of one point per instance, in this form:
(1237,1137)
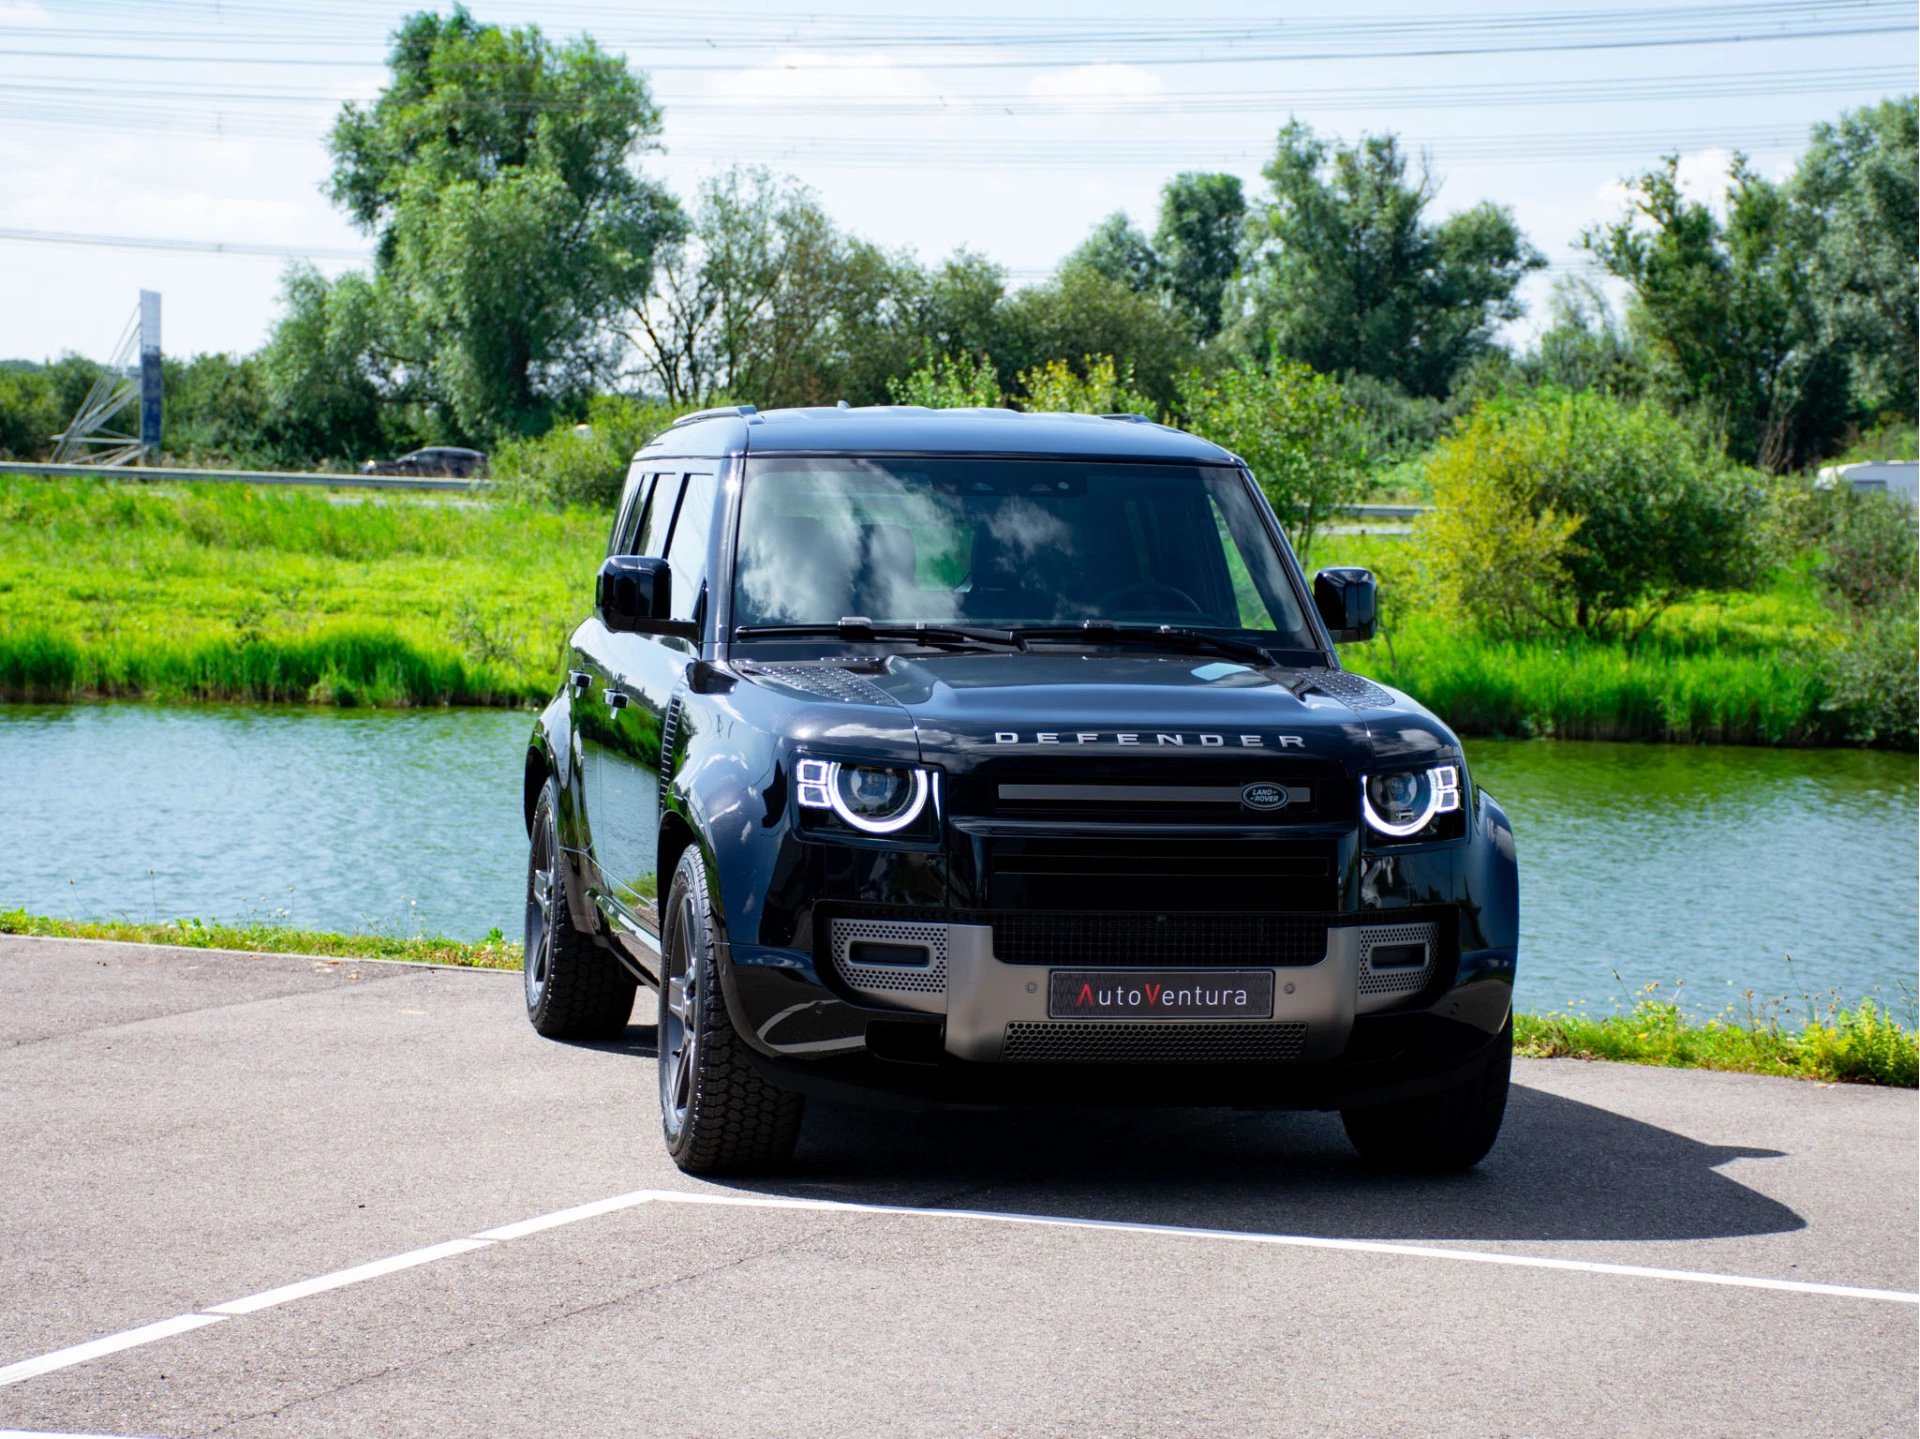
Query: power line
(199,247)
(1557,94)
(1434,51)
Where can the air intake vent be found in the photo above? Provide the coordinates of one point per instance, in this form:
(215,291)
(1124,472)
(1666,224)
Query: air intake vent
(1395,959)
(1098,1042)
(902,962)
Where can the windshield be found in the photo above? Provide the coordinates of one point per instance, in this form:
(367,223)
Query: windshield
(1008,543)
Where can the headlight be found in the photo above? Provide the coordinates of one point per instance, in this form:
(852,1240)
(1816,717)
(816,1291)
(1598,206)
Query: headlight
(1404,804)
(875,799)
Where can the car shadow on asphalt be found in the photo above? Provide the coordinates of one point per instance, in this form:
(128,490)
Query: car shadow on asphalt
(1562,1170)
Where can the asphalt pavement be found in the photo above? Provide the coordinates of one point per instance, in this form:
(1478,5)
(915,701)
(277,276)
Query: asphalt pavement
(269,1195)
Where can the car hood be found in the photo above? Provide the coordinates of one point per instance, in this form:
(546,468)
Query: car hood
(968,707)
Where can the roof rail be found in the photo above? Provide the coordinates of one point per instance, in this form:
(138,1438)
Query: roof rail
(1132,419)
(744,412)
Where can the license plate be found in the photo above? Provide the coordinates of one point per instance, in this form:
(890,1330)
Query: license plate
(1160,994)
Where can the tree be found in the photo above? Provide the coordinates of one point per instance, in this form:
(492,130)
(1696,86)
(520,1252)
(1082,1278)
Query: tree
(1567,513)
(1297,433)
(1117,251)
(1858,181)
(498,173)
(1585,346)
(326,388)
(1728,311)
(1347,274)
(1202,218)
(768,300)
(1082,312)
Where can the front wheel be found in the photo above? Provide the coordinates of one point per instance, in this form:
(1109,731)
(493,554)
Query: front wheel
(718,1114)
(1445,1132)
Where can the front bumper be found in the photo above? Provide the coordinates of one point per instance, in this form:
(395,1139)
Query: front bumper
(997,1012)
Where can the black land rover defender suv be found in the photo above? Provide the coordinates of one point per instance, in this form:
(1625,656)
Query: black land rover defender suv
(977,757)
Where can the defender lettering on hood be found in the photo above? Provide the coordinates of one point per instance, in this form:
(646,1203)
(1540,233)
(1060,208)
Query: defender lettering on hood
(1154,738)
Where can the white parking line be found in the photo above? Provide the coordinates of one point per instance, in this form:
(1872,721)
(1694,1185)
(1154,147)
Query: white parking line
(1301,1241)
(112,1344)
(286,1293)
(267,1299)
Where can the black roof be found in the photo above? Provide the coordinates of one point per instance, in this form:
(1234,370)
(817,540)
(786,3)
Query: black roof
(917,430)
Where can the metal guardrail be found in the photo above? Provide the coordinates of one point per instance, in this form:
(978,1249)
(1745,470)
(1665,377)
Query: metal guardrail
(1385,512)
(409,482)
(247,477)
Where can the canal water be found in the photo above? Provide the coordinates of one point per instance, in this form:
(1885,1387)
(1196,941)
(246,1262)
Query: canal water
(1701,867)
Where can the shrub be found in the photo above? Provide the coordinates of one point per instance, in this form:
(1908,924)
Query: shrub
(1298,434)
(950,382)
(1581,514)
(584,464)
(1099,389)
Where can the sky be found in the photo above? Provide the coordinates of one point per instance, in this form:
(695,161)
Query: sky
(1007,128)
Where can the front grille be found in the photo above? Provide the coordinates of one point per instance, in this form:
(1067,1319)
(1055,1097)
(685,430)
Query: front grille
(1186,872)
(1082,939)
(1109,1042)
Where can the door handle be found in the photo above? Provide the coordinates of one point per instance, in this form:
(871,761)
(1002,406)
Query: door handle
(581,680)
(616,699)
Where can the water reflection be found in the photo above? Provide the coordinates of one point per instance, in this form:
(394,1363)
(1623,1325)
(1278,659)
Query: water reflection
(1707,865)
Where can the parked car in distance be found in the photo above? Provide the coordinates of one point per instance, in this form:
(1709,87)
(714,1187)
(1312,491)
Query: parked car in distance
(442,461)
(981,758)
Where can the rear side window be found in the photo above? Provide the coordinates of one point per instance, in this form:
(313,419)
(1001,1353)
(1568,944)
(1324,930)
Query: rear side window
(657,523)
(633,509)
(687,550)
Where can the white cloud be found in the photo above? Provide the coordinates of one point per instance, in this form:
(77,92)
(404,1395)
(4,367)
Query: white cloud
(23,14)
(1702,175)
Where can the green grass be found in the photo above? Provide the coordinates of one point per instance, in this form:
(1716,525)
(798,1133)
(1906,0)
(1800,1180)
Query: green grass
(1723,668)
(1835,1043)
(493,952)
(223,592)
(1859,1045)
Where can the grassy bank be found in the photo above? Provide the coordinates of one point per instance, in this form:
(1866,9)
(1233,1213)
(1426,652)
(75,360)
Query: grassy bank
(1863,1044)
(490,953)
(222,592)
(1859,1045)
(1734,668)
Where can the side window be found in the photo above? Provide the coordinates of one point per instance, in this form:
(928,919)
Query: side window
(633,509)
(687,551)
(659,517)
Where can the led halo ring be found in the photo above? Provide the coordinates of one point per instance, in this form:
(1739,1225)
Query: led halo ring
(917,777)
(1443,797)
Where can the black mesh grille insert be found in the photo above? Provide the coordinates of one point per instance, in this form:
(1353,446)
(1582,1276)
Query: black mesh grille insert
(1073,939)
(1107,1042)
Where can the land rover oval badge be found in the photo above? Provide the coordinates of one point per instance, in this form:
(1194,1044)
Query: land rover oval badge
(1264,796)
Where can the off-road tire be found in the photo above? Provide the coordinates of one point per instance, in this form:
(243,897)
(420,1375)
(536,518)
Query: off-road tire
(1439,1133)
(583,993)
(718,1114)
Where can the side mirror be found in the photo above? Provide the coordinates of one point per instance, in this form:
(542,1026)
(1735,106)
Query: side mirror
(1346,601)
(635,596)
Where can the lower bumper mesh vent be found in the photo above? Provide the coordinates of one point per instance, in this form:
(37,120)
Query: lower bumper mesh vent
(926,943)
(1396,958)
(1109,1042)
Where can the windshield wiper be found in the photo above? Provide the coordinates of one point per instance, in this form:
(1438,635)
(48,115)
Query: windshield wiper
(1166,636)
(858,628)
